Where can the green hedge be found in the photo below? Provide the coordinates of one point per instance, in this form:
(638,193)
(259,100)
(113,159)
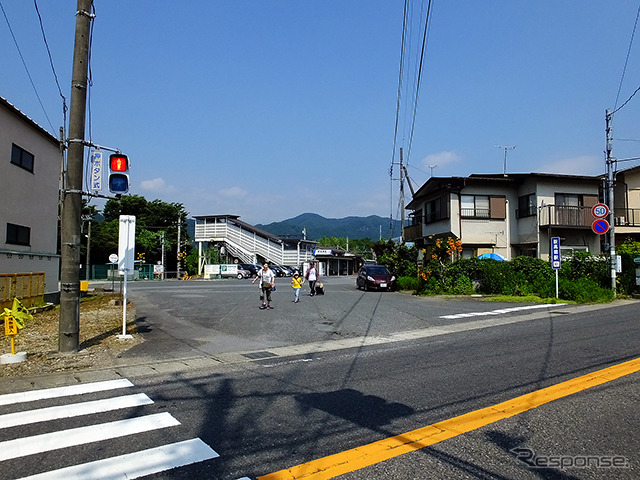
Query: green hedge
(582,279)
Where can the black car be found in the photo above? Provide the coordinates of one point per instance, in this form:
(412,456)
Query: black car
(375,277)
(277,271)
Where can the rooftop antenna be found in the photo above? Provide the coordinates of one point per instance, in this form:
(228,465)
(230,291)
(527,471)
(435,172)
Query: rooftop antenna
(506,147)
(432,167)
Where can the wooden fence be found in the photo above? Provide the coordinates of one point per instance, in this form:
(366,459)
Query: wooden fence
(26,287)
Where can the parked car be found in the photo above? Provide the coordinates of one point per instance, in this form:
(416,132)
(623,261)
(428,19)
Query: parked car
(375,277)
(277,270)
(253,269)
(288,271)
(243,272)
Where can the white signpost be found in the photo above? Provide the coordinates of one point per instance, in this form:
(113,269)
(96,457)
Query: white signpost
(96,171)
(126,249)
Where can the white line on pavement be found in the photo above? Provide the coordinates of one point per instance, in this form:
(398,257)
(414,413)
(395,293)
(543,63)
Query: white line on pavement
(502,311)
(78,436)
(136,464)
(73,410)
(79,389)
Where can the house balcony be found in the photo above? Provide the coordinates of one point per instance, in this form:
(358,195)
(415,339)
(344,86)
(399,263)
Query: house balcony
(412,233)
(566,216)
(627,217)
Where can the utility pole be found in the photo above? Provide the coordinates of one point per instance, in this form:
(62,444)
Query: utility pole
(71,218)
(610,199)
(401,199)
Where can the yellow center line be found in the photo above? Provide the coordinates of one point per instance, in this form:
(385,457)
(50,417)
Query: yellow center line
(376,452)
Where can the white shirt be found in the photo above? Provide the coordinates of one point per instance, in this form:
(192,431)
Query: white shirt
(267,276)
(311,274)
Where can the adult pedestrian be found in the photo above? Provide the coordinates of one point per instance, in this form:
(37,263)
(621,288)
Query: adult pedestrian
(267,284)
(296,283)
(312,277)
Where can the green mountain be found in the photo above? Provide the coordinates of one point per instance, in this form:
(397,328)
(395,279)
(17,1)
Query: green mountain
(373,227)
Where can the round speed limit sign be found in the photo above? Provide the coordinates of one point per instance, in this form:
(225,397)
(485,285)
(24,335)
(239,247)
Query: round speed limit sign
(600,210)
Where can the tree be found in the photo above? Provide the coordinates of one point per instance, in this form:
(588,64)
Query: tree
(359,246)
(398,258)
(153,220)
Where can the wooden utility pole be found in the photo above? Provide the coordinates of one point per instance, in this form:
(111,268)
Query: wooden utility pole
(70,224)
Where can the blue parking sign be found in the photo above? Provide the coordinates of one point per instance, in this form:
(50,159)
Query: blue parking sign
(555,253)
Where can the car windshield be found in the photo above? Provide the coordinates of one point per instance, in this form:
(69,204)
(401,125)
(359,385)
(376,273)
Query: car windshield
(377,271)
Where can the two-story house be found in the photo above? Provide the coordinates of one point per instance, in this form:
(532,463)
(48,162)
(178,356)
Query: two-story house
(30,161)
(627,204)
(512,215)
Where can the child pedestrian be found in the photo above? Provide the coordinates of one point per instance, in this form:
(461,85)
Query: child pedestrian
(296,283)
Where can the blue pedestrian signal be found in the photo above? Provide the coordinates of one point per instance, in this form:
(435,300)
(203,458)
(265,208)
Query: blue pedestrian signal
(118,173)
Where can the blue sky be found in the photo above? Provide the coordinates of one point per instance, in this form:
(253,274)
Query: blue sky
(271,108)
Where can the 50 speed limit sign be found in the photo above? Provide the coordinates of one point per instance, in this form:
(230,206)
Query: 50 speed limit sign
(600,210)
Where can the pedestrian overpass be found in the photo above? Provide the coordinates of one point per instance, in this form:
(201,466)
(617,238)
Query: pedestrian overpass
(249,244)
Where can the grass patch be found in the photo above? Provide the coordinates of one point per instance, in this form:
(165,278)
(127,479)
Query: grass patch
(525,299)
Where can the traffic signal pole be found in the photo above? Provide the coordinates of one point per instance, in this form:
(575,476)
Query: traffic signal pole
(71,218)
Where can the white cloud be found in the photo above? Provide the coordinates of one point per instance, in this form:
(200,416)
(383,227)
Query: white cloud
(234,192)
(440,159)
(155,185)
(580,165)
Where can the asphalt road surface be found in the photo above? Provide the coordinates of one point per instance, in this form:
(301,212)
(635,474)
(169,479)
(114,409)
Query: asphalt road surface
(351,385)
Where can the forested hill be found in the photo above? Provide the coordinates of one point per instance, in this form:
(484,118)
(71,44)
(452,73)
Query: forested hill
(373,227)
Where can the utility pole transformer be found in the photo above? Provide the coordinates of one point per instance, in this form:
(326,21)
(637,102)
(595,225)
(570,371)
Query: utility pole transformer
(71,219)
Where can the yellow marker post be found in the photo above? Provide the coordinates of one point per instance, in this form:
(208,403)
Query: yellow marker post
(14,320)
(11,330)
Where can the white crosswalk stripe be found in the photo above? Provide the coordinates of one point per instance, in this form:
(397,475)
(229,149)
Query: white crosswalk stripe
(72,410)
(134,465)
(128,466)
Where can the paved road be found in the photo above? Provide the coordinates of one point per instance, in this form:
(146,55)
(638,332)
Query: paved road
(242,393)
(189,318)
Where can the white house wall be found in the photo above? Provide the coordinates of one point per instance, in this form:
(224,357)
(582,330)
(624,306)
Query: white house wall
(29,199)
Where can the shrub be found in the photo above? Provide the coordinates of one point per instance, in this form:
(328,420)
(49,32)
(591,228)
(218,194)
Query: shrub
(408,283)
(583,290)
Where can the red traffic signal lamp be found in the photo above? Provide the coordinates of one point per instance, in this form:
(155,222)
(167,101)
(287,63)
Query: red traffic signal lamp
(118,173)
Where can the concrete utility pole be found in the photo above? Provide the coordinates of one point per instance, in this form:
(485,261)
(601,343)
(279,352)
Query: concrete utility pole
(70,225)
(610,199)
(401,199)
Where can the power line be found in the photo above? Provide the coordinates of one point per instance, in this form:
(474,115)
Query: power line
(46,44)
(400,77)
(24,63)
(415,104)
(626,61)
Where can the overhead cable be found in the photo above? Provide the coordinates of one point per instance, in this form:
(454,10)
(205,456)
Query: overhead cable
(24,64)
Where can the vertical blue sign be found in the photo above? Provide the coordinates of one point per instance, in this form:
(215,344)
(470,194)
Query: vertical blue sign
(555,252)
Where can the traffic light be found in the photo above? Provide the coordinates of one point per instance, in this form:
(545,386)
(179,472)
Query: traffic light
(118,173)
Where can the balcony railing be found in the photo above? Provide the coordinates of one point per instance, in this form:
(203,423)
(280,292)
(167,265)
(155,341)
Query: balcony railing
(627,217)
(412,232)
(566,216)
(475,213)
